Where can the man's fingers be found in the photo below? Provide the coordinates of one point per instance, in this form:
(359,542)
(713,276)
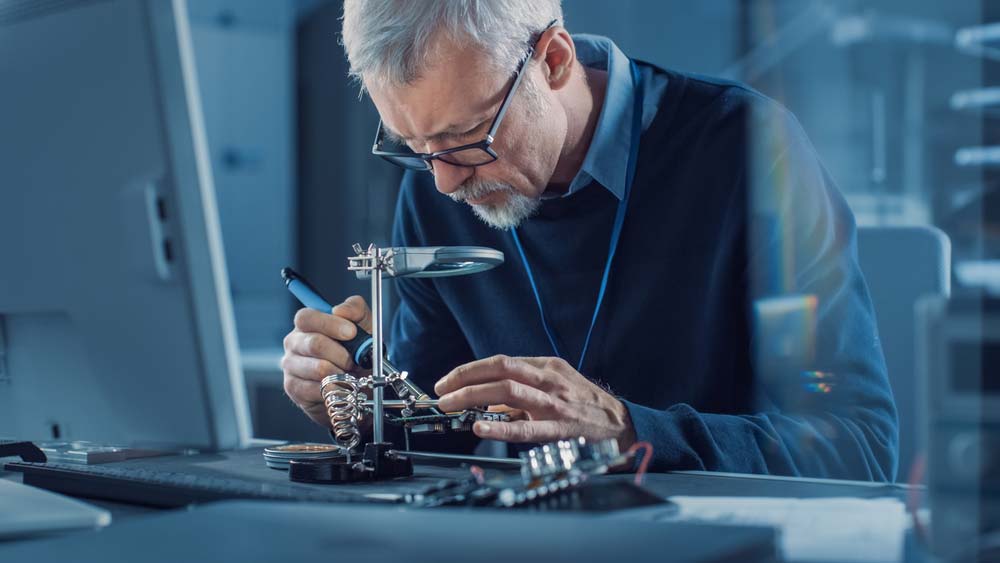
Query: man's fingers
(306,395)
(548,363)
(494,368)
(520,430)
(311,369)
(356,309)
(333,326)
(508,392)
(322,347)
(303,392)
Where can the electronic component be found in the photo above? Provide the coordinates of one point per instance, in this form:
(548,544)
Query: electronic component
(439,423)
(553,476)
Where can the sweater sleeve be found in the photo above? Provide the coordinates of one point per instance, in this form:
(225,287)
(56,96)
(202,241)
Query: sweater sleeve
(801,242)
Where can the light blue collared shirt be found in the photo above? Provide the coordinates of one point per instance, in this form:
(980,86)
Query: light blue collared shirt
(606,161)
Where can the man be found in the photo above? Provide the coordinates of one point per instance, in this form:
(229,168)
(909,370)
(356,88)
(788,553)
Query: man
(644,215)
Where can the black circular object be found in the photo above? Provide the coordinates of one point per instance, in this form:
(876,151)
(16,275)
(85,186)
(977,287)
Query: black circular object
(335,469)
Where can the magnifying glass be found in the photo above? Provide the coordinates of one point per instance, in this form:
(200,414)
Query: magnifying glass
(429,261)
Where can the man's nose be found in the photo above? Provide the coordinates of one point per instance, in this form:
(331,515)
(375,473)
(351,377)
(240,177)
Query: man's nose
(449,177)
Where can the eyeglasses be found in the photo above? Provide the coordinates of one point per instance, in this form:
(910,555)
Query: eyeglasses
(470,155)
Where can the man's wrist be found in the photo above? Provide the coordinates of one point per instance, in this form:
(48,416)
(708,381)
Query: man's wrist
(626,437)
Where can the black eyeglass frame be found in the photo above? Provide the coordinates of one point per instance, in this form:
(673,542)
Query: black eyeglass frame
(425,159)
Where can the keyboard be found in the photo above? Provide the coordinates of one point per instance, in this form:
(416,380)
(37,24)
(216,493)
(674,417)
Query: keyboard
(165,488)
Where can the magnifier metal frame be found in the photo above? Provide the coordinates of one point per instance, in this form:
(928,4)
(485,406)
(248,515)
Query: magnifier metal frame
(426,261)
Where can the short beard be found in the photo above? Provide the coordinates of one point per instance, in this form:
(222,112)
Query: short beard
(502,216)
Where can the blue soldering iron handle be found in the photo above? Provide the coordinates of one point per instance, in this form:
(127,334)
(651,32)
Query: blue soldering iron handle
(359,347)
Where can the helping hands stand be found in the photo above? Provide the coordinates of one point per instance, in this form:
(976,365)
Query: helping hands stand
(553,476)
(346,405)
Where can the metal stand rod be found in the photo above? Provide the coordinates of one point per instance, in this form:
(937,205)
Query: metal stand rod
(397,404)
(378,378)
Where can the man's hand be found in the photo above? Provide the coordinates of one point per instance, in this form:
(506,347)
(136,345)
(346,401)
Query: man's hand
(313,351)
(552,401)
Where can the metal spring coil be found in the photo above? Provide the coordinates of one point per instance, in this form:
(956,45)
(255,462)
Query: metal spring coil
(343,406)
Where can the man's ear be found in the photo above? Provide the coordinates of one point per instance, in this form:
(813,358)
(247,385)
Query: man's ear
(557,52)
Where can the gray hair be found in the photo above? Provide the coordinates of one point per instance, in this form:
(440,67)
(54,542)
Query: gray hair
(392,41)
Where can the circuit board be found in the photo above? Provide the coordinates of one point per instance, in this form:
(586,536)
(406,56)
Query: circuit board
(440,423)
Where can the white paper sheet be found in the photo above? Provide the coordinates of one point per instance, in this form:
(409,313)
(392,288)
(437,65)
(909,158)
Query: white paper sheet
(27,511)
(822,529)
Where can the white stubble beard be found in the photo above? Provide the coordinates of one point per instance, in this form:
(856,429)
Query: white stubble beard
(502,216)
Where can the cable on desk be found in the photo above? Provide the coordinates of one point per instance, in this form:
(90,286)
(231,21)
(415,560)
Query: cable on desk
(647,455)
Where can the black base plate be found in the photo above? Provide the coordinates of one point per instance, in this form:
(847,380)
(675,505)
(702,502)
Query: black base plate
(376,464)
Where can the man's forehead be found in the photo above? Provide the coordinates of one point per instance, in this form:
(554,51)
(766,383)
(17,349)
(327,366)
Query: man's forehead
(447,99)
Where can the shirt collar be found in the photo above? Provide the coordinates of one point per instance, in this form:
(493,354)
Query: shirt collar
(606,161)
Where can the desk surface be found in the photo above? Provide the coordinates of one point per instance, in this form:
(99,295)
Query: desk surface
(249,464)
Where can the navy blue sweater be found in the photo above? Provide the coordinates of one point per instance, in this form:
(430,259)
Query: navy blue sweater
(715,221)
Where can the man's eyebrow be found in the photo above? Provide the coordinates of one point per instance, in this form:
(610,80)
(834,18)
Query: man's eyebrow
(392,135)
(449,132)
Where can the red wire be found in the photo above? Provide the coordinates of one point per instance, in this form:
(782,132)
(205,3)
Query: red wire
(646,456)
(478,473)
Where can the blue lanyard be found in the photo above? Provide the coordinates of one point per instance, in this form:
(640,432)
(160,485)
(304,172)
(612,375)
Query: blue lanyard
(616,230)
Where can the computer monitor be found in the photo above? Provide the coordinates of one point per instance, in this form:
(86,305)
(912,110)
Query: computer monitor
(115,318)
